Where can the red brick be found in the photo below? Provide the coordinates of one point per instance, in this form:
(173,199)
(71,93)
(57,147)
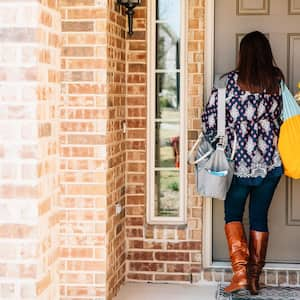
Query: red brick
(178,268)
(172,256)
(92,14)
(169,277)
(292,278)
(140,276)
(134,221)
(76,278)
(72,3)
(137,68)
(137,46)
(134,232)
(85,265)
(152,245)
(139,255)
(77,26)
(87,64)
(78,51)
(135,200)
(146,267)
(184,246)
(135,244)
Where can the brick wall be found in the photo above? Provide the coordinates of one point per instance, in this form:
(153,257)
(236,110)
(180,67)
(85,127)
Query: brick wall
(161,253)
(29,68)
(116,143)
(48,94)
(92,149)
(83,153)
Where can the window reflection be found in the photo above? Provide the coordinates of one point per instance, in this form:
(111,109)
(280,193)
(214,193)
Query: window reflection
(167,145)
(169,10)
(167,96)
(167,47)
(167,193)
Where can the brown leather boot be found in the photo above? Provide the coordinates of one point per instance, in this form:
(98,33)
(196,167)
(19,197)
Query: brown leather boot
(239,254)
(258,243)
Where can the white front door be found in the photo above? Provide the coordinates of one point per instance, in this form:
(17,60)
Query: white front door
(280,21)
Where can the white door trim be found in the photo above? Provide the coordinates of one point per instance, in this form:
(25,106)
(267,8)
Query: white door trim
(207,207)
(208,83)
(209,47)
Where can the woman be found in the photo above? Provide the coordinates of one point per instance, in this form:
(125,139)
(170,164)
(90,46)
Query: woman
(253,108)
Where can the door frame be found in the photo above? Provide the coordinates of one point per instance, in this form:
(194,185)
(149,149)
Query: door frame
(207,206)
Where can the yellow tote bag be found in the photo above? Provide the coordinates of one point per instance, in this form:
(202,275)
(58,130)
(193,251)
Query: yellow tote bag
(289,136)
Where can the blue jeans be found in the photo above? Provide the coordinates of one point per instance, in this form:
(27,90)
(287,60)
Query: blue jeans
(260,199)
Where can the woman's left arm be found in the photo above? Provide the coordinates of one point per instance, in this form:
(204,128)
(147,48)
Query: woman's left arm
(209,116)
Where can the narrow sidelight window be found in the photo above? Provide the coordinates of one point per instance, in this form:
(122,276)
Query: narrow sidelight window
(166,153)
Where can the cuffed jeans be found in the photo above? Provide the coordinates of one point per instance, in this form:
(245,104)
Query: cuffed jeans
(260,199)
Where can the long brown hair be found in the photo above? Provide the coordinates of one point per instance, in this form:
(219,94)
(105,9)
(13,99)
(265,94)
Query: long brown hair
(257,69)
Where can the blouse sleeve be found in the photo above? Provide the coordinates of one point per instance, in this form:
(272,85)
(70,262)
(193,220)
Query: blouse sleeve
(209,116)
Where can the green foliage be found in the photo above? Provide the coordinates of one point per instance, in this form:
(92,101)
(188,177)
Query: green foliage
(174,186)
(163,102)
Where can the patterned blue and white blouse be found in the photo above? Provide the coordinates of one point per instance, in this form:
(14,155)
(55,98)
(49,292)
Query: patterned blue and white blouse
(255,117)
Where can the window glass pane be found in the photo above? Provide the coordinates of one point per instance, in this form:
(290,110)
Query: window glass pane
(168,10)
(167,145)
(167,96)
(167,193)
(167,47)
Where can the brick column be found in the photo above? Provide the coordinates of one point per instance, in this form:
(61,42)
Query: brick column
(83,151)
(29,64)
(92,147)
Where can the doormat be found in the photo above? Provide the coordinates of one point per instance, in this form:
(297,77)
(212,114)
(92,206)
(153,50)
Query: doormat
(266,293)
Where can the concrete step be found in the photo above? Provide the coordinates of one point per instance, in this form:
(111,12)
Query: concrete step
(155,291)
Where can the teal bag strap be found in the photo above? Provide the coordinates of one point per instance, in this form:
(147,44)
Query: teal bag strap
(290,105)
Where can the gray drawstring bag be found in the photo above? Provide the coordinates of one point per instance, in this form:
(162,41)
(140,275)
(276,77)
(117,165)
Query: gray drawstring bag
(213,169)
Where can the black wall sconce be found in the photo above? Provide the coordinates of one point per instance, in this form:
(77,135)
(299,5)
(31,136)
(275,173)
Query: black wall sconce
(130,5)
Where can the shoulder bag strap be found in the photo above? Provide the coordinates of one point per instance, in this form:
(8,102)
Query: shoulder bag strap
(222,120)
(221,112)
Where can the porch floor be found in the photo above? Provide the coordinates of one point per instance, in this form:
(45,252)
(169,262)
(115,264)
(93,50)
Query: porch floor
(151,291)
